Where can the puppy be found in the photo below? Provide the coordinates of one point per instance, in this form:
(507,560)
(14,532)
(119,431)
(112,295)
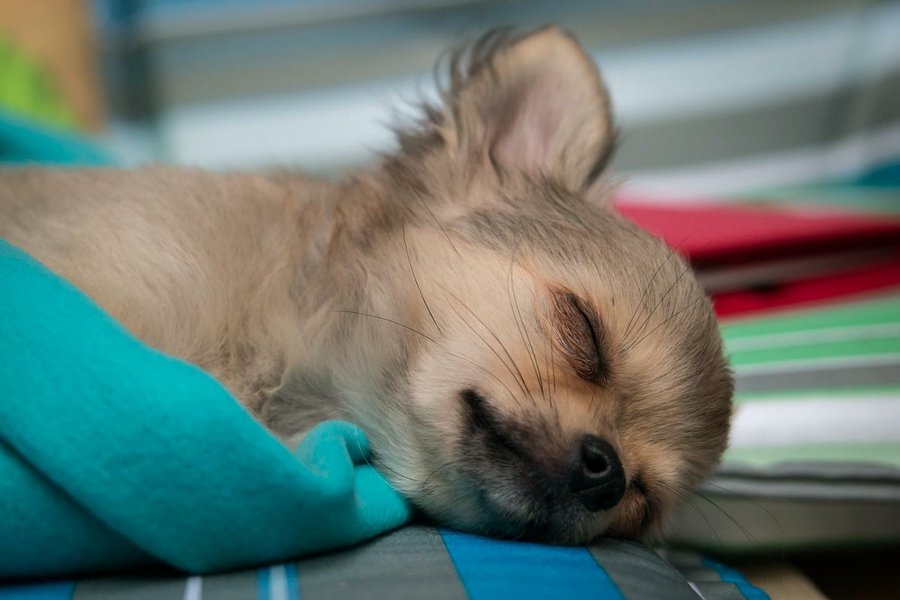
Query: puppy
(525,362)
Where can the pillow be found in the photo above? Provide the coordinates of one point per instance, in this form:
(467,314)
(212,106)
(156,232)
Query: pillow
(423,562)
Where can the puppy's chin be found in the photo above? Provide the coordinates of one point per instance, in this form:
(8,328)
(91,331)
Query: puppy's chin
(547,519)
(501,509)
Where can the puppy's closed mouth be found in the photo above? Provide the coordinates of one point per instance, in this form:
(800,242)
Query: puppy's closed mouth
(530,487)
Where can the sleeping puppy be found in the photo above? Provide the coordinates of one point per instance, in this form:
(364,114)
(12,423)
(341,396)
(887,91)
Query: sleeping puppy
(525,362)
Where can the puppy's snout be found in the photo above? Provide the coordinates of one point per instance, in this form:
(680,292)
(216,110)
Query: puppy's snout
(598,480)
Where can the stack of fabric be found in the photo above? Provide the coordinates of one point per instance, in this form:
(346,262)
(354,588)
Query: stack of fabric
(808,291)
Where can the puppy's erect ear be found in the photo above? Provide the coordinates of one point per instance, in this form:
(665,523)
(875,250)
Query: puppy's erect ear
(537,105)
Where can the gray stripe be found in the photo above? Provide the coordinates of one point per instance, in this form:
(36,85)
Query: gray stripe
(700,574)
(790,124)
(241,585)
(707,581)
(639,572)
(404,43)
(845,472)
(720,591)
(804,379)
(681,559)
(725,523)
(116,588)
(806,490)
(672,22)
(410,563)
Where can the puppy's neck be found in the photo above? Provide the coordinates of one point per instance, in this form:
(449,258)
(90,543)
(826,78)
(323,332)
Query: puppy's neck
(352,315)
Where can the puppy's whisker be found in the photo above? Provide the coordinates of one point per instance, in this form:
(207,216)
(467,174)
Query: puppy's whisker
(758,504)
(445,465)
(665,295)
(488,372)
(669,318)
(551,383)
(416,281)
(746,532)
(517,316)
(511,366)
(440,226)
(523,333)
(688,500)
(513,370)
(640,303)
(407,327)
(381,466)
(595,406)
(387,320)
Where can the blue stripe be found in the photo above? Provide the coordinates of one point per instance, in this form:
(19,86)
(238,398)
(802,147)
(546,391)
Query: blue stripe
(293,588)
(41,591)
(750,591)
(262,584)
(493,569)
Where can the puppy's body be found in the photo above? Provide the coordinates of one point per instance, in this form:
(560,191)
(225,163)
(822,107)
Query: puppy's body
(216,269)
(524,361)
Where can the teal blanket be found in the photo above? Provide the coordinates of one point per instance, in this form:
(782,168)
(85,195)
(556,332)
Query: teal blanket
(115,456)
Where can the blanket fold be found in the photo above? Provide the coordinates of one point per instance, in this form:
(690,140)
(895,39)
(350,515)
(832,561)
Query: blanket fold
(114,455)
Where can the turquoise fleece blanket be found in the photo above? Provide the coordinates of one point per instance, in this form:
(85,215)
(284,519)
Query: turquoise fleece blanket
(115,456)
(25,141)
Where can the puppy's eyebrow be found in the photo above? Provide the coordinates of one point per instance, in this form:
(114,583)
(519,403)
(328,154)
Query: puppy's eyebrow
(579,334)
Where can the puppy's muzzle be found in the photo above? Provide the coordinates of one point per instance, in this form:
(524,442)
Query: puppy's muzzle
(598,480)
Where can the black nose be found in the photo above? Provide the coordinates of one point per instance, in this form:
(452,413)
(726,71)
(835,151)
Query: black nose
(598,480)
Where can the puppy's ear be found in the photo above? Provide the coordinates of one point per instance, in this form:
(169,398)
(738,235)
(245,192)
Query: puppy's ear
(536,105)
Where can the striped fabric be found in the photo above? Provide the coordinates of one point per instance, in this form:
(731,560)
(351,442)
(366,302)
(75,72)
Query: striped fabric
(422,562)
(710,97)
(814,459)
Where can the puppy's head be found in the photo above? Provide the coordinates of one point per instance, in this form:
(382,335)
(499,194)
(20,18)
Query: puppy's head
(566,376)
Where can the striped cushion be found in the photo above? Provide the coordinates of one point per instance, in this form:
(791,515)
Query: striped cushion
(815,451)
(422,562)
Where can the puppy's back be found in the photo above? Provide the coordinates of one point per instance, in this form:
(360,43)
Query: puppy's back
(173,254)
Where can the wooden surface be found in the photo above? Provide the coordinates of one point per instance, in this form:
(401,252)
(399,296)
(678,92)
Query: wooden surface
(781,580)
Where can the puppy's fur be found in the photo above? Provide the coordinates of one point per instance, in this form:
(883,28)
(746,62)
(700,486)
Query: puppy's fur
(471,302)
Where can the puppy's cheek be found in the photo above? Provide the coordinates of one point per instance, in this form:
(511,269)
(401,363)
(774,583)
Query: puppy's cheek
(631,518)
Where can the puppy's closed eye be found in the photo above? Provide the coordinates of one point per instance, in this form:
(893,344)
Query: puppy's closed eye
(578,334)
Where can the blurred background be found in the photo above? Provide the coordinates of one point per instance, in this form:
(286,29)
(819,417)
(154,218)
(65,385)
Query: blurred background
(713,97)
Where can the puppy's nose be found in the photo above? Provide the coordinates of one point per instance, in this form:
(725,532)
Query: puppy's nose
(598,480)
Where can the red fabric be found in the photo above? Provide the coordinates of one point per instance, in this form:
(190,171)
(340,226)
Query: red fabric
(721,235)
(817,290)
(728,234)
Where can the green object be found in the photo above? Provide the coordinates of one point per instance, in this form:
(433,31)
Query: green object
(114,455)
(35,124)
(26,90)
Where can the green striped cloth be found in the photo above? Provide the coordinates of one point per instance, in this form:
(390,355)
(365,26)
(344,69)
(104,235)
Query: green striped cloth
(814,459)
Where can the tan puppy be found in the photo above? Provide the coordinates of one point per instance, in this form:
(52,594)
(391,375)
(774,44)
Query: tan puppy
(525,362)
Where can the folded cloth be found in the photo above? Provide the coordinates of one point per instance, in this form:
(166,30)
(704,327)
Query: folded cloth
(26,141)
(755,259)
(114,455)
